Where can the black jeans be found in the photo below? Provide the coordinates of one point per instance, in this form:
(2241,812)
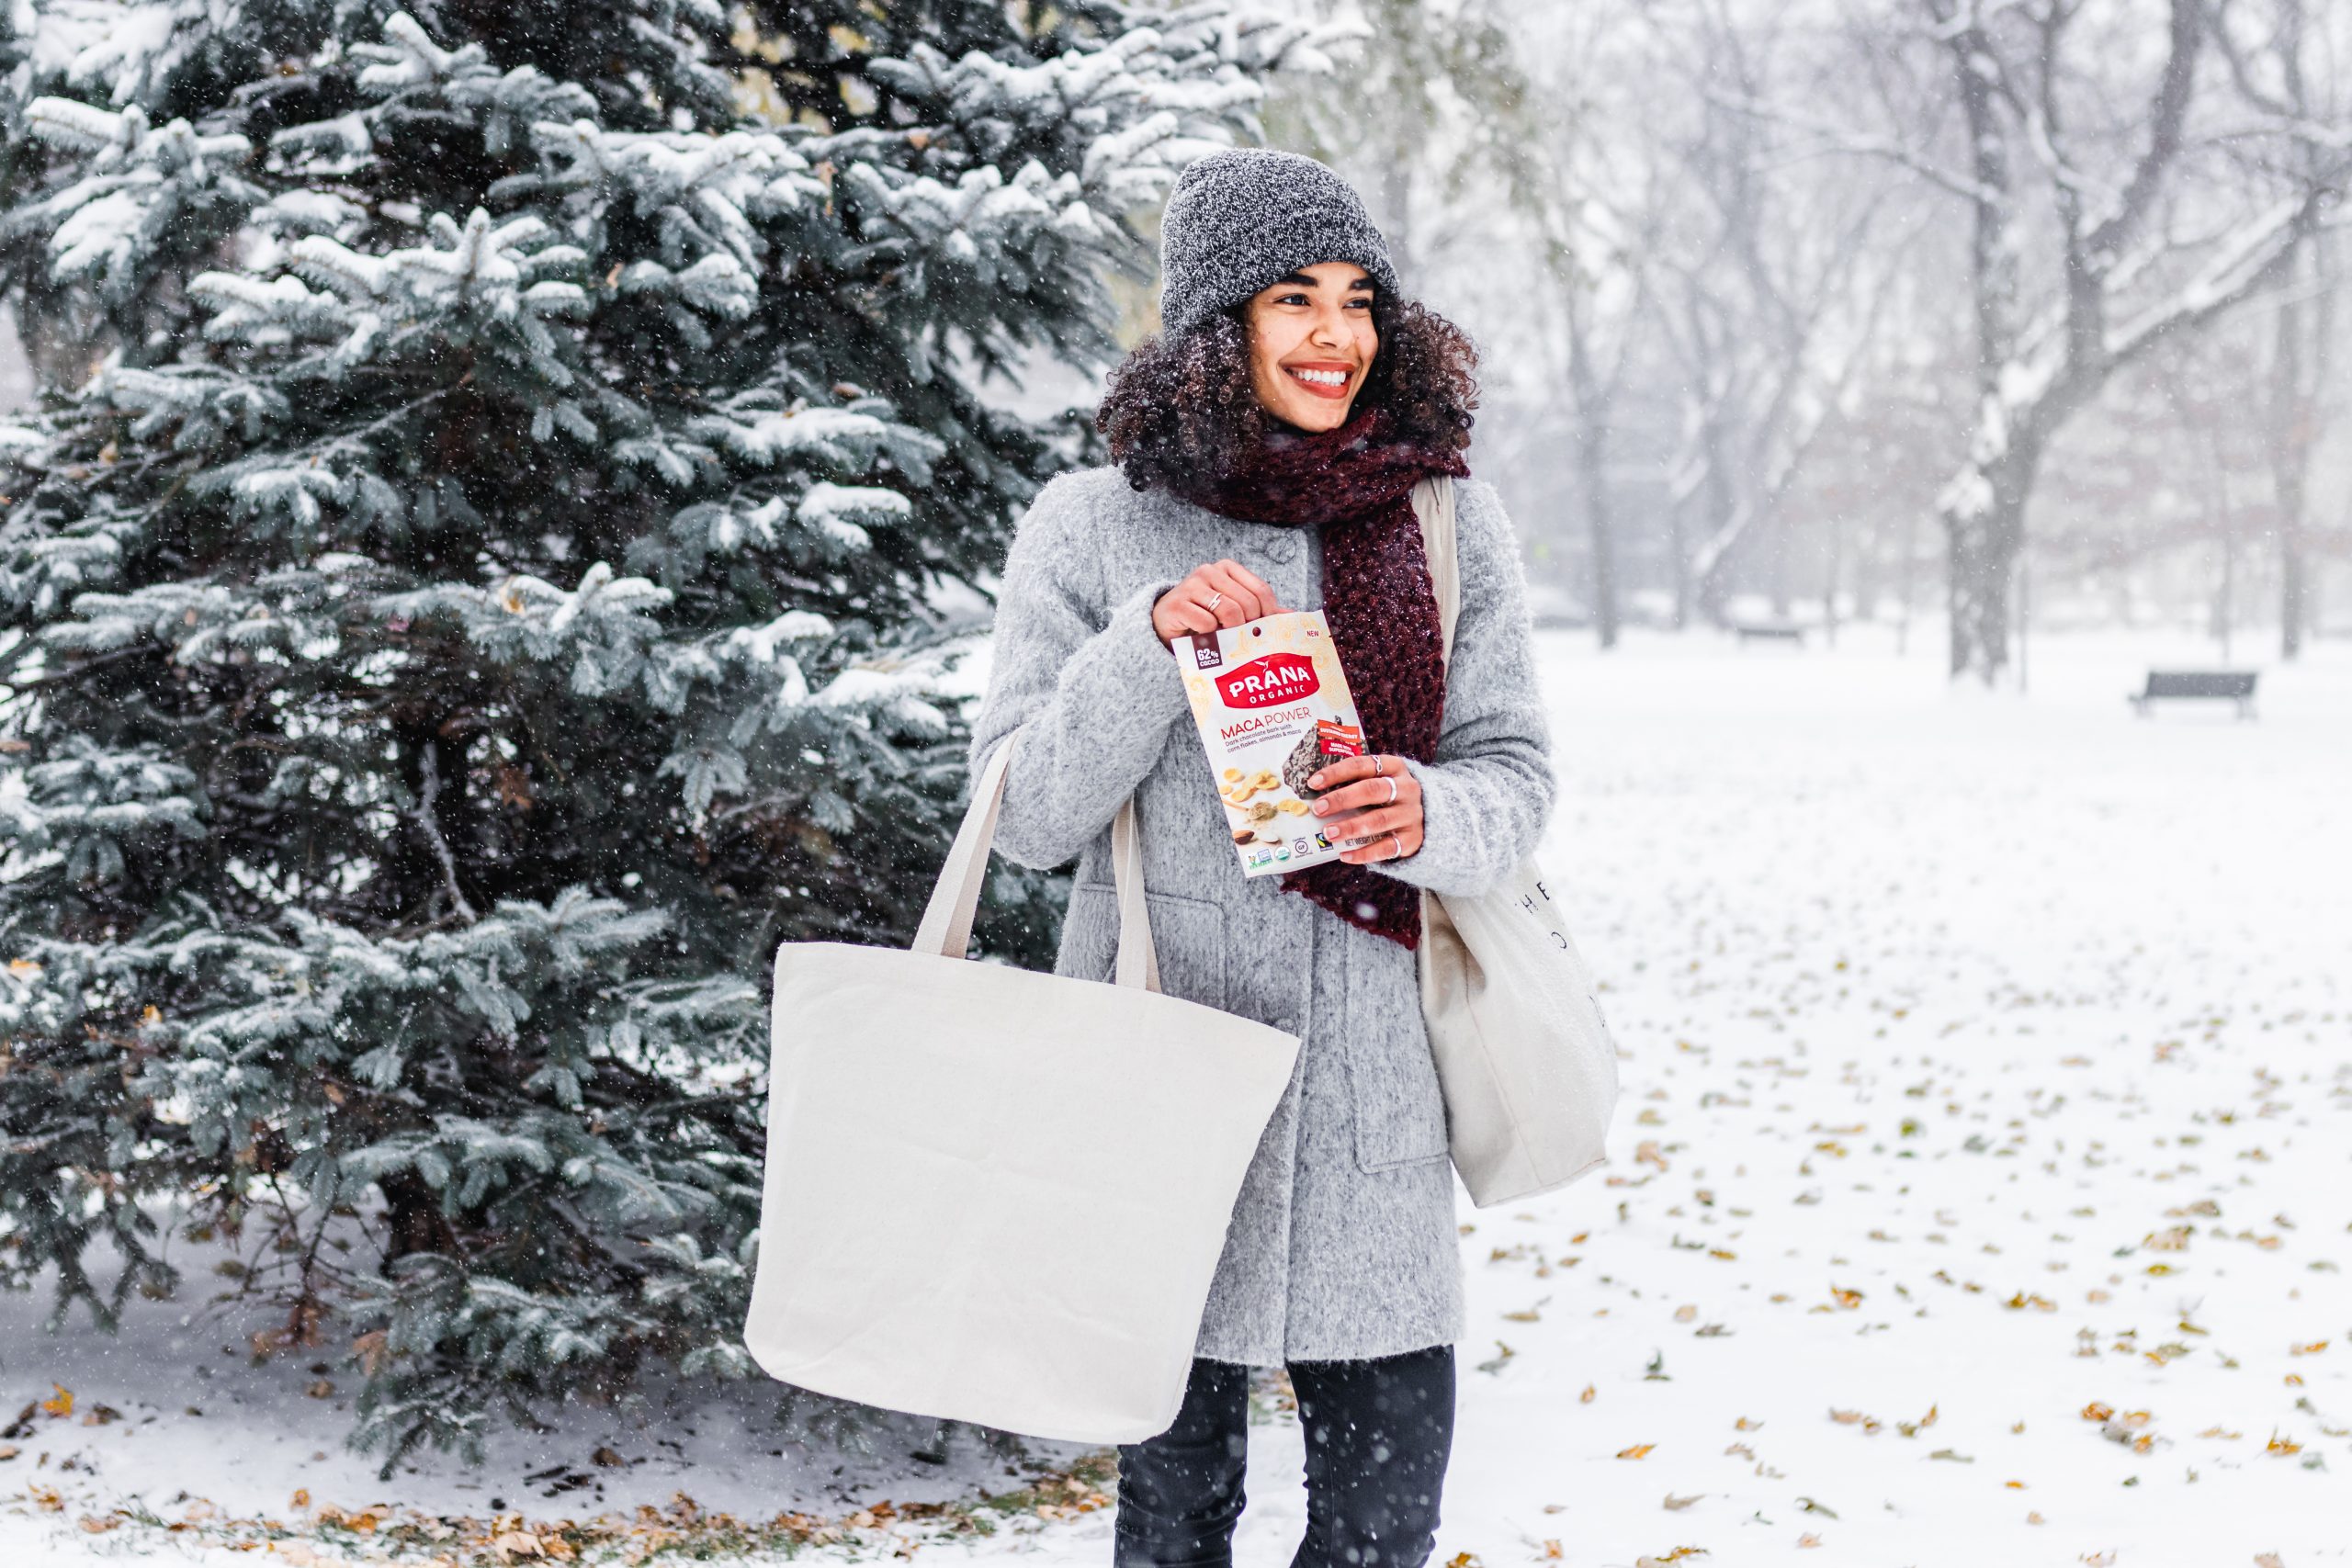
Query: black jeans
(1378,1436)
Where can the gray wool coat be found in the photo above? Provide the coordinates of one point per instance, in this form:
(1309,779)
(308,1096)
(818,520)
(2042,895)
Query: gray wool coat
(1343,1243)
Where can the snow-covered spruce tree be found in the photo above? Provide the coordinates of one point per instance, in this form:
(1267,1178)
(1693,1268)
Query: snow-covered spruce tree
(466,602)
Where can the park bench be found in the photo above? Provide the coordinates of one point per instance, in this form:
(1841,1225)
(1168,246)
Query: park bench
(2198,686)
(1751,632)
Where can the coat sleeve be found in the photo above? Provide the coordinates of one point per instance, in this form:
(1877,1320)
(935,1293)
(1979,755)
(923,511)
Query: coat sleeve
(1084,691)
(1488,797)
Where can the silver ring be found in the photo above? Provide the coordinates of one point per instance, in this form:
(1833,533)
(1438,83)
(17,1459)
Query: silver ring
(1392,794)
(1213,598)
(1400,845)
(1376,760)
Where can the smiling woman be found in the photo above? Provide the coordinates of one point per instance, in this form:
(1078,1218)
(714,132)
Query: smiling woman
(1268,444)
(1200,402)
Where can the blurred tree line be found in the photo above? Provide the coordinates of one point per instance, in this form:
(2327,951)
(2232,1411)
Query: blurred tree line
(1881,308)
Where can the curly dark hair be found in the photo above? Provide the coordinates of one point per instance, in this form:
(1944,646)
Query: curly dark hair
(1184,409)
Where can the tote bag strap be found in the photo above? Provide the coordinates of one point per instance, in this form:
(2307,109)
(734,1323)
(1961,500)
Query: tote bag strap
(946,927)
(1434,504)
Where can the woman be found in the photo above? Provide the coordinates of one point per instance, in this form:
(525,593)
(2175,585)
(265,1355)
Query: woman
(1266,443)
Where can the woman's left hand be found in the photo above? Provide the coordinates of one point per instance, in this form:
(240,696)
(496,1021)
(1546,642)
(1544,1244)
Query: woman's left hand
(1392,824)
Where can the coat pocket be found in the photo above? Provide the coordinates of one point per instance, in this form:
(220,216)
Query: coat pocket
(1392,1077)
(1188,933)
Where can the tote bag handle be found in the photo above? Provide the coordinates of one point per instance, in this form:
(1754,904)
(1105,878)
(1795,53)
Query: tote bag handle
(946,927)
(1433,500)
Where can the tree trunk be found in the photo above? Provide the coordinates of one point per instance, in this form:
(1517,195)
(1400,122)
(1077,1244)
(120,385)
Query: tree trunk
(1593,402)
(2315,607)
(2225,611)
(1396,186)
(412,1218)
(1591,450)
(1982,534)
(2025,611)
(2295,421)
(1869,565)
(2288,415)
(2293,595)
(1780,540)
(1717,490)
(1979,596)
(1906,580)
(1983,510)
(1829,587)
(2225,597)
(1677,552)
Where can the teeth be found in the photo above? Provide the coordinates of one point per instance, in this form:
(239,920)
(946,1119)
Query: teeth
(1323,377)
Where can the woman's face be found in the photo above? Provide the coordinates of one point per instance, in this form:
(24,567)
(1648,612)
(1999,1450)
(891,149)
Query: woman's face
(1311,343)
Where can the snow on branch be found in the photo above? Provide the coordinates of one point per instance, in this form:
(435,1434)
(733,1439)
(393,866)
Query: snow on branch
(603,625)
(408,57)
(2250,258)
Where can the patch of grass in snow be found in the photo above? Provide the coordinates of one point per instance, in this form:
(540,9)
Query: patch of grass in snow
(682,1532)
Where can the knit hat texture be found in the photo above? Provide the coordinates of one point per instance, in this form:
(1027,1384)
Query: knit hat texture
(1242,218)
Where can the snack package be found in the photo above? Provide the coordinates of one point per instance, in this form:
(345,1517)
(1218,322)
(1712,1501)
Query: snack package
(1271,704)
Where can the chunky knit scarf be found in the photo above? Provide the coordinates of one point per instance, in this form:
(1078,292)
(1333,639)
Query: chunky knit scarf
(1355,482)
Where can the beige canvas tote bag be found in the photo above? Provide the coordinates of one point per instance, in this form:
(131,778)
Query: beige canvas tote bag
(1523,1054)
(997,1195)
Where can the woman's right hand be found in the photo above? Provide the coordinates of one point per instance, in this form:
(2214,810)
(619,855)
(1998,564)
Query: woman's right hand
(1221,594)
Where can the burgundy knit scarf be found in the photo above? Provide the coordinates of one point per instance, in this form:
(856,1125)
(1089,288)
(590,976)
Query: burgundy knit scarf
(1355,483)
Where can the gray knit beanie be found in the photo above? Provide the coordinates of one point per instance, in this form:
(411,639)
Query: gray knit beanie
(1242,218)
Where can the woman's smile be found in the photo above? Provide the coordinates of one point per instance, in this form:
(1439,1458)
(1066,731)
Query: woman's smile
(1325,378)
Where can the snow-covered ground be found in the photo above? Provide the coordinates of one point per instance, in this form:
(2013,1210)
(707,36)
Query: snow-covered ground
(1978,1193)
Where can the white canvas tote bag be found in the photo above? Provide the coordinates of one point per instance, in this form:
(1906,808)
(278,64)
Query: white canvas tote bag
(997,1195)
(1523,1054)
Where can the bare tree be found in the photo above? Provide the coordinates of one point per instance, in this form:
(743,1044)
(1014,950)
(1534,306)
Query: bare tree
(2299,378)
(2116,283)
(1772,290)
(1731,343)
(1591,207)
(2306,310)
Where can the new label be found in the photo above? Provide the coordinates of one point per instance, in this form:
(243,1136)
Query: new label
(1262,682)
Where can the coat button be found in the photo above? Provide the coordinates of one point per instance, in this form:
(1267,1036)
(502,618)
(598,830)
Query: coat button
(1286,1024)
(1282,548)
